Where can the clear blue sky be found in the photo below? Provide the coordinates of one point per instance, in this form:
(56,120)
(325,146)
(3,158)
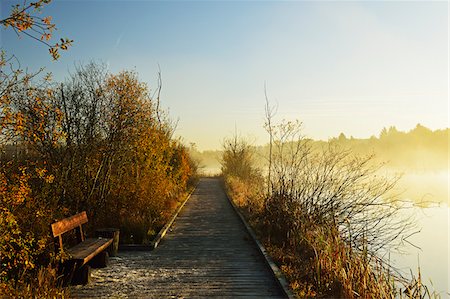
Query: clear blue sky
(351,67)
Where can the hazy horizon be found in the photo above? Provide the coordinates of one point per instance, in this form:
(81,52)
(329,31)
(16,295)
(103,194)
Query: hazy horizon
(249,138)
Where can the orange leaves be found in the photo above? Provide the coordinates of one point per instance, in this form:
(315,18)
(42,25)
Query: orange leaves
(20,240)
(46,36)
(22,190)
(47,20)
(31,116)
(131,111)
(42,174)
(21,21)
(16,190)
(54,53)
(19,118)
(127,88)
(64,45)
(40,171)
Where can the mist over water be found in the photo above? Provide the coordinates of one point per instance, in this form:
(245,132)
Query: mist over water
(425,187)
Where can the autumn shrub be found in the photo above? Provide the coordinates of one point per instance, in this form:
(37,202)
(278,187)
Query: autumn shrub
(243,179)
(150,171)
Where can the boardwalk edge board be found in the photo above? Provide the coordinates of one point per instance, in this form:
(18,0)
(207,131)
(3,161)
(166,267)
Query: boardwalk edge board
(160,235)
(166,227)
(279,276)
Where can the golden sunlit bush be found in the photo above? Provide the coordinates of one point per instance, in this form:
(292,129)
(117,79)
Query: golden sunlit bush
(243,180)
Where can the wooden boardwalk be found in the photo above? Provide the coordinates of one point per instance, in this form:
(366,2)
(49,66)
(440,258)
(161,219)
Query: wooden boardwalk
(207,253)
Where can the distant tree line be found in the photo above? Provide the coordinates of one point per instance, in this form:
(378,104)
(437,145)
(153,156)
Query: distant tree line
(419,149)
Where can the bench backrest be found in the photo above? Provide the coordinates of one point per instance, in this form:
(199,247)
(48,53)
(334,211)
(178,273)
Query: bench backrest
(68,224)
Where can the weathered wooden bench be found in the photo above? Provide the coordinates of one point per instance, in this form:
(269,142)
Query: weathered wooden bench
(85,254)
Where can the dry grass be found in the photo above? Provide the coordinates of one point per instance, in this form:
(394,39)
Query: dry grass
(43,285)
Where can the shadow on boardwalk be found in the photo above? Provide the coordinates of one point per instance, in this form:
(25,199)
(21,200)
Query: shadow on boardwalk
(208,253)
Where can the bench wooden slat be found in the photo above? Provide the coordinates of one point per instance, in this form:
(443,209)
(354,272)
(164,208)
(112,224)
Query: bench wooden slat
(67,224)
(74,268)
(85,251)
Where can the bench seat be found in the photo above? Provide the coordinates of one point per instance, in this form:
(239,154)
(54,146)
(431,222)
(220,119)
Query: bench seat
(87,253)
(89,248)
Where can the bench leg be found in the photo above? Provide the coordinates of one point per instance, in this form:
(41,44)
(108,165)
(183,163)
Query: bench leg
(100,260)
(65,273)
(81,275)
(69,273)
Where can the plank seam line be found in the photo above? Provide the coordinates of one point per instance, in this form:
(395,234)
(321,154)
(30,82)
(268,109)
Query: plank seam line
(276,272)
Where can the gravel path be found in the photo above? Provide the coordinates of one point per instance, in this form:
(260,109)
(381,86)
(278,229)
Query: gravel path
(207,253)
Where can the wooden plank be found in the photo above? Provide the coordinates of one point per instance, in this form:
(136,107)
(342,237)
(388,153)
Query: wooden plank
(84,252)
(67,224)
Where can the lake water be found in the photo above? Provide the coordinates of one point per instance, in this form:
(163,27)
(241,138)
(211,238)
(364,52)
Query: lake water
(432,255)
